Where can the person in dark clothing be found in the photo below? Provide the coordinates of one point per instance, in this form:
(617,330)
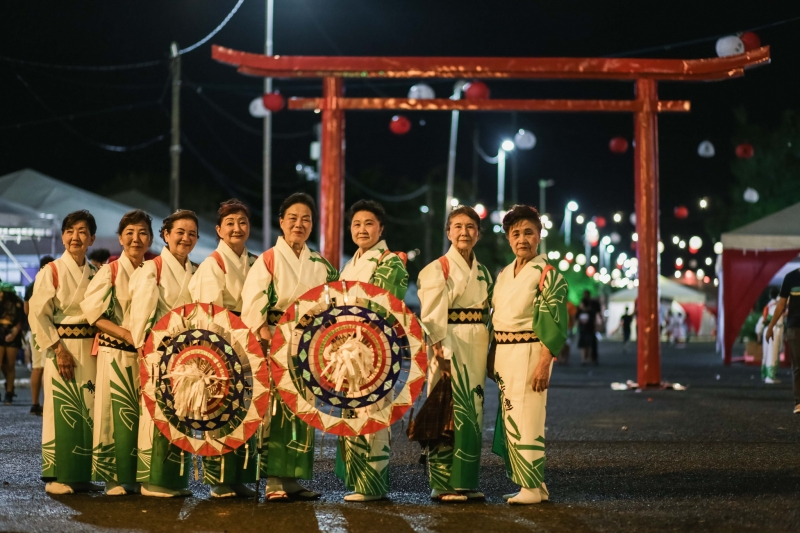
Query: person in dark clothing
(789,301)
(625,322)
(11,319)
(588,312)
(99,257)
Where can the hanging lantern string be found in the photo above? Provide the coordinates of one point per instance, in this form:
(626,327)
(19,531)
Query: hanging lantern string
(700,40)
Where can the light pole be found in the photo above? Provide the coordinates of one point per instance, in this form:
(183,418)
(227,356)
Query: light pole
(451,156)
(543,185)
(266,204)
(568,210)
(505,147)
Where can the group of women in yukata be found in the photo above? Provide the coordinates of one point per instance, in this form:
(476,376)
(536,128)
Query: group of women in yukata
(95,428)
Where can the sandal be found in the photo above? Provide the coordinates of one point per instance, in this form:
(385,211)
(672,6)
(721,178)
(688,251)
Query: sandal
(305,495)
(473,495)
(276,496)
(449,497)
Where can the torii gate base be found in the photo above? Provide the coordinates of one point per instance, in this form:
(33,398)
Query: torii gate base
(644,72)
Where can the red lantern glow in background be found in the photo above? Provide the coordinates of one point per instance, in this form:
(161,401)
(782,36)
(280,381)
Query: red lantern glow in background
(681,212)
(745,151)
(274,101)
(476,90)
(600,221)
(400,125)
(750,40)
(618,145)
(591,271)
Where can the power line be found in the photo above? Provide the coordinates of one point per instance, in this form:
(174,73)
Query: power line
(71,116)
(98,144)
(387,197)
(127,66)
(216,30)
(220,177)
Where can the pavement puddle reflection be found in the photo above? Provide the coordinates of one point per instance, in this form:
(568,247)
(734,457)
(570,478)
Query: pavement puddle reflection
(188,506)
(331,520)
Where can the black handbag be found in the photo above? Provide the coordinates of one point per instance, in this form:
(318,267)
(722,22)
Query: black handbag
(434,424)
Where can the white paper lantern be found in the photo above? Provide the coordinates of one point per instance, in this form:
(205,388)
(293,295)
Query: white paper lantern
(750,195)
(729,46)
(695,243)
(632,218)
(257,108)
(423,91)
(615,238)
(706,149)
(524,140)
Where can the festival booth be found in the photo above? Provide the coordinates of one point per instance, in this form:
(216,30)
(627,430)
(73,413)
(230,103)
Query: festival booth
(675,297)
(751,256)
(24,232)
(41,193)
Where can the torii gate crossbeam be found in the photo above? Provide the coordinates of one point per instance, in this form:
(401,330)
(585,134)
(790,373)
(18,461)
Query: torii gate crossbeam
(645,73)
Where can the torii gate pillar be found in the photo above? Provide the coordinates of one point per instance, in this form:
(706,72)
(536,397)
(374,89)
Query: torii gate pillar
(331,191)
(645,155)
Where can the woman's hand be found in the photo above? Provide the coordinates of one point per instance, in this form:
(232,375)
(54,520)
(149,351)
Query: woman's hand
(541,375)
(444,364)
(12,335)
(127,337)
(769,334)
(490,360)
(65,361)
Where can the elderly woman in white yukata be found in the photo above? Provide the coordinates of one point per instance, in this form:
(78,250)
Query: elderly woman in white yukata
(363,462)
(455,293)
(219,280)
(116,404)
(277,278)
(156,288)
(530,327)
(60,330)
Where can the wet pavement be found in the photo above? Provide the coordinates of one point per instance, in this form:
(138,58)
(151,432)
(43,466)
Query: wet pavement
(723,455)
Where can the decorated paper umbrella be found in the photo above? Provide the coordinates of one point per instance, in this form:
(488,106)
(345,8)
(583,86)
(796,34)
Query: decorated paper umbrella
(205,380)
(345,346)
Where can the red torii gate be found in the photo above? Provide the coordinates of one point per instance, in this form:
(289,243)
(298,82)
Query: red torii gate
(645,73)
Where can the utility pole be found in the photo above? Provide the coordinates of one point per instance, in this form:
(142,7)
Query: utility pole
(451,155)
(267,201)
(543,185)
(175,146)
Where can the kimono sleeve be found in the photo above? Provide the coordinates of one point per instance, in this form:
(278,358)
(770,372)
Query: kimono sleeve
(391,275)
(487,278)
(99,299)
(258,296)
(331,274)
(208,283)
(144,302)
(550,316)
(433,301)
(42,306)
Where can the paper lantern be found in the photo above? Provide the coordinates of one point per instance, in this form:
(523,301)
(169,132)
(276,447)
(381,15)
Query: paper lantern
(750,196)
(615,237)
(706,149)
(600,222)
(274,101)
(618,145)
(476,90)
(400,125)
(591,271)
(421,91)
(745,151)
(729,46)
(681,212)
(481,210)
(524,140)
(632,218)
(257,108)
(750,40)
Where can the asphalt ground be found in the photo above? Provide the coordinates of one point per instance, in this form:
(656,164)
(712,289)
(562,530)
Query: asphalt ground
(723,455)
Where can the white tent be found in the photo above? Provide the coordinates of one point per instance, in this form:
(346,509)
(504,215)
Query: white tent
(672,295)
(751,257)
(48,195)
(24,231)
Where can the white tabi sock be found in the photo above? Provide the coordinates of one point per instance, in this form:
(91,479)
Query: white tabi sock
(159,492)
(54,487)
(274,484)
(526,497)
(222,491)
(115,489)
(358,497)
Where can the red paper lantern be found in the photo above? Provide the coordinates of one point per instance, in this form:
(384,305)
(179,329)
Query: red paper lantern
(591,271)
(274,101)
(400,125)
(744,151)
(750,40)
(681,212)
(600,222)
(476,90)
(618,145)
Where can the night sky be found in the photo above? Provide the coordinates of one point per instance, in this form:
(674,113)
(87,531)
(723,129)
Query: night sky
(572,149)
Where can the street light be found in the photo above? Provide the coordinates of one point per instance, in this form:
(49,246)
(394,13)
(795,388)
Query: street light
(505,147)
(568,210)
